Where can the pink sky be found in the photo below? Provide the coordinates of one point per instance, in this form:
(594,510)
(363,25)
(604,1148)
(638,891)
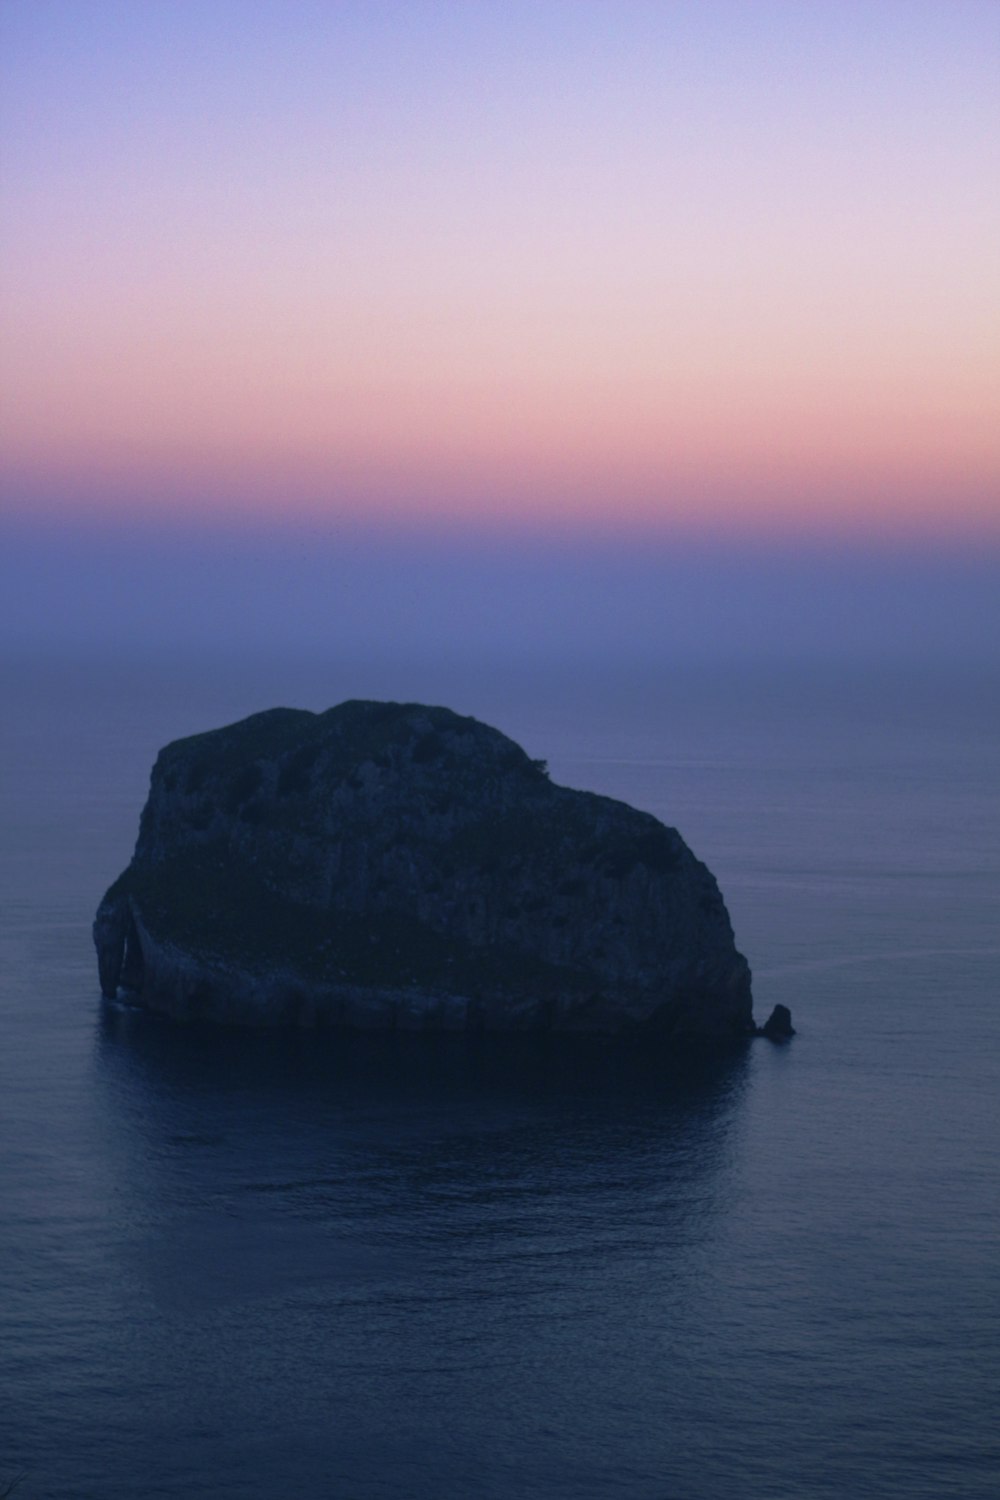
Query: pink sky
(718,268)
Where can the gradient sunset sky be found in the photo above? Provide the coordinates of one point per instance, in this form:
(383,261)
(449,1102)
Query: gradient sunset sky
(724,270)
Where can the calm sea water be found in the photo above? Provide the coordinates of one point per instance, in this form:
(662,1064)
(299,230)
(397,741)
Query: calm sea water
(259,1267)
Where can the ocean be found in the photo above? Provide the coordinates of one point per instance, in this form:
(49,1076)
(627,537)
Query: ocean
(235,1265)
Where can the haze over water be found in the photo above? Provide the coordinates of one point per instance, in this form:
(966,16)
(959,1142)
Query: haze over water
(626,375)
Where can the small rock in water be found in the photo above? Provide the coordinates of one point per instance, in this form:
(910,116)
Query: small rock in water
(778,1026)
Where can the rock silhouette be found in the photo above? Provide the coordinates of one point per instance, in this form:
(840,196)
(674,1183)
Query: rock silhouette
(778,1026)
(392,865)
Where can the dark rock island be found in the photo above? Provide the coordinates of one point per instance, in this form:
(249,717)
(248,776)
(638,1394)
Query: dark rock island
(389,865)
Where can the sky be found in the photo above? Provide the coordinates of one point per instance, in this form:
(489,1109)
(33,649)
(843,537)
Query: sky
(511,302)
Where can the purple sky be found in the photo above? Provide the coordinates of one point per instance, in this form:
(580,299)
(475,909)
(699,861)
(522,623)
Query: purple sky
(653,325)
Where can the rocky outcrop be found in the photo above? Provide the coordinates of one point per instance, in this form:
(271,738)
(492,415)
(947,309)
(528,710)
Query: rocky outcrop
(392,865)
(778,1026)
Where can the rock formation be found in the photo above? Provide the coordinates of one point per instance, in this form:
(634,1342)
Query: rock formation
(778,1026)
(389,865)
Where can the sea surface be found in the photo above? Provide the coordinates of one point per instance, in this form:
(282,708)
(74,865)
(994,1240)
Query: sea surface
(243,1266)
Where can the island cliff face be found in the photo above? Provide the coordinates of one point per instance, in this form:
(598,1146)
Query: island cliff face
(390,865)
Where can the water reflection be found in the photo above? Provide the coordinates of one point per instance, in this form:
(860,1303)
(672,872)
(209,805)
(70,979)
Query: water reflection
(386,1258)
(404,1065)
(263,1164)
